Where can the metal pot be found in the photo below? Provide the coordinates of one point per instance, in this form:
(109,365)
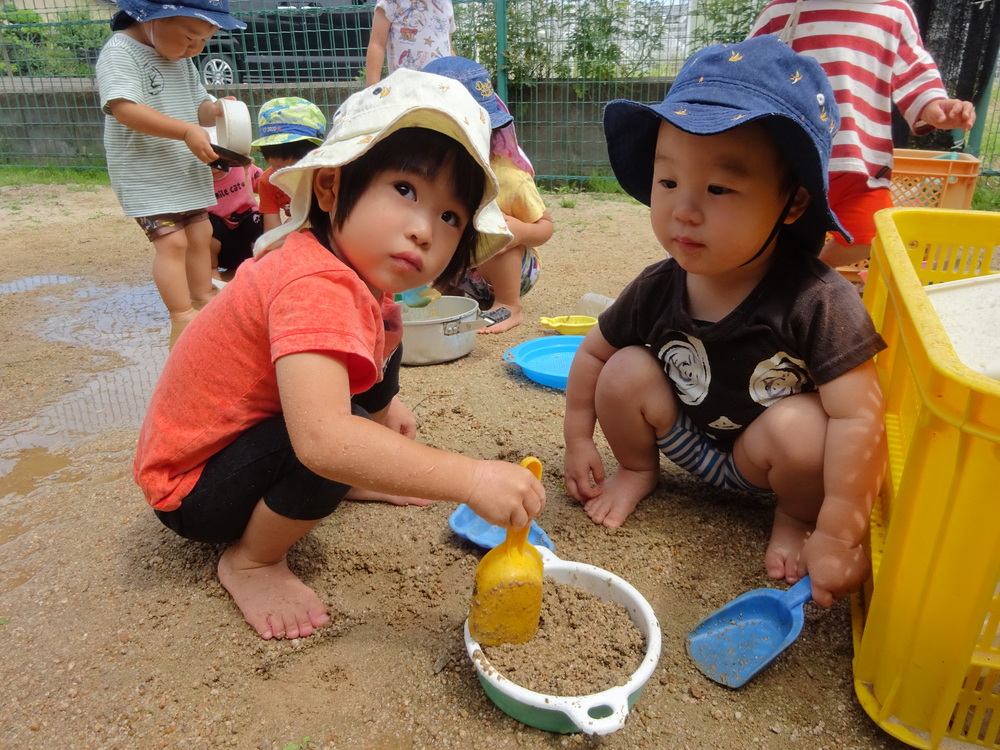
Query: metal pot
(441,331)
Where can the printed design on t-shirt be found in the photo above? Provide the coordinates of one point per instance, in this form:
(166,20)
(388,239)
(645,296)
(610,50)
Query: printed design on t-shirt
(686,364)
(153,78)
(415,17)
(725,423)
(780,376)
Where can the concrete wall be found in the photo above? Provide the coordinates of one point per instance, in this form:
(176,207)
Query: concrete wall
(56,122)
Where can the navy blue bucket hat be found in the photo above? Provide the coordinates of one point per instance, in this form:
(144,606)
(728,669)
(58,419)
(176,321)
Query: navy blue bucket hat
(728,85)
(215,12)
(476,80)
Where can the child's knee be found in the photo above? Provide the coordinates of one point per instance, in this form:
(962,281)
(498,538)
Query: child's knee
(627,369)
(797,431)
(633,379)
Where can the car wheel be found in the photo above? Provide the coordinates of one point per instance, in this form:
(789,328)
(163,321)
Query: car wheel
(218,70)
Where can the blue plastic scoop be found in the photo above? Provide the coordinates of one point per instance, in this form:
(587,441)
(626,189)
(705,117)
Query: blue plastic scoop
(464,522)
(742,638)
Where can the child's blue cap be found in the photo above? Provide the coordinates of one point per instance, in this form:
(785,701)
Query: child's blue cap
(476,80)
(728,85)
(215,12)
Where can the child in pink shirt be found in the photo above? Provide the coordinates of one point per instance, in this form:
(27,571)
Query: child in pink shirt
(235,217)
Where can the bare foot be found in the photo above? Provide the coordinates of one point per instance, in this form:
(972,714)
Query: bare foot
(271,597)
(788,537)
(368,496)
(620,495)
(178,322)
(512,321)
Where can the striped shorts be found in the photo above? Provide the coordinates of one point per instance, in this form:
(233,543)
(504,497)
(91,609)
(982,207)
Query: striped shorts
(693,451)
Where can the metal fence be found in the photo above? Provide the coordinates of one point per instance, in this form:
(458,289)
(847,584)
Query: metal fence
(557,62)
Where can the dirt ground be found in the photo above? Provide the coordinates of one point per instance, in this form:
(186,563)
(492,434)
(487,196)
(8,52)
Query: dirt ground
(116,633)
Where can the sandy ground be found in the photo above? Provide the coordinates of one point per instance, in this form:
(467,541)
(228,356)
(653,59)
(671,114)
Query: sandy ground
(116,633)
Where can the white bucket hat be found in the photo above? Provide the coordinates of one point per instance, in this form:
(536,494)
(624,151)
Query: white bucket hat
(403,99)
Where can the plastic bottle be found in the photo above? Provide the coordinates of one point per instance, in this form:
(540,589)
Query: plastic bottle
(593,304)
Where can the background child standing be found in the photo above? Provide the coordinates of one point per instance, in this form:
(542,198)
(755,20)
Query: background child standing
(255,442)
(290,127)
(499,283)
(408,34)
(235,217)
(874,56)
(157,149)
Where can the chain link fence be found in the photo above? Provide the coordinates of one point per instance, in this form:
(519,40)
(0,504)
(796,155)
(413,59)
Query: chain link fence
(556,62)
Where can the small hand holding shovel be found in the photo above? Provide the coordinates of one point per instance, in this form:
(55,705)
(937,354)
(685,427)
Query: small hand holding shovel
(507,597)
(736,642)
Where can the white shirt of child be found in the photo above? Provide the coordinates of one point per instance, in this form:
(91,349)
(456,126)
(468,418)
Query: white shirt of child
(151,175)
(419,31)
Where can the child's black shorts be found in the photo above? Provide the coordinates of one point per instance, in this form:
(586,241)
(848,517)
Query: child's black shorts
(237,242)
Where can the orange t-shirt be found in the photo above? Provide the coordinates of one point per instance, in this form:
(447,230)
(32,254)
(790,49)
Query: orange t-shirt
(220,378)
(272,200)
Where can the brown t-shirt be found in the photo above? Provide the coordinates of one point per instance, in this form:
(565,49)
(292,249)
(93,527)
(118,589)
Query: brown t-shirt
(802,326)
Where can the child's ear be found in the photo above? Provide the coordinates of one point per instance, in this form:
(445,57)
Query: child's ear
(326,185)
(799,204)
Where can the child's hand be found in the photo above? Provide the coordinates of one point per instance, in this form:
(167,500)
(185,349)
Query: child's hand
(197,141)
(836,568)
(506,494)
(945,114)
(581,462)
(398,418)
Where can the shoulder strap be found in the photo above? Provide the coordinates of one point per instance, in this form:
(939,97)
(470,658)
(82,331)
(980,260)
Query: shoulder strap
(787,34)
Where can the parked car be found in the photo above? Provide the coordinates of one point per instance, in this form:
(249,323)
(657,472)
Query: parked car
(289,40)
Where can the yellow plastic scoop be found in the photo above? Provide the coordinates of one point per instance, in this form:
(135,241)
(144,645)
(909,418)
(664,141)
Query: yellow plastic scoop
(573,325)
(507,597)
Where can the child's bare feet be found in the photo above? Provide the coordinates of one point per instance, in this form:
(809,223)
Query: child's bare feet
(506,317)
(178,322)
(620,495)
(788,537)
(274,601)
(368,496)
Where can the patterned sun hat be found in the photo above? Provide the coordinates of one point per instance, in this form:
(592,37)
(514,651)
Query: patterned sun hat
(216,12)
(727,85)
(404,99)
(288,119)
(476,80)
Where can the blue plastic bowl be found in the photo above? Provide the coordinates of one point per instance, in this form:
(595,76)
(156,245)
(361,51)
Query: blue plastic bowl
(547,359)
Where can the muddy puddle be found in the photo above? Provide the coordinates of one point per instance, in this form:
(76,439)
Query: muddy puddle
(123,320)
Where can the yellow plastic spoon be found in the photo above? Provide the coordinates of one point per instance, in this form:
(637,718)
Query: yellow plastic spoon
(507,597)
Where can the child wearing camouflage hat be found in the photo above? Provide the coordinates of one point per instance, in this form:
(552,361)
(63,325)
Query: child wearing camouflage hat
(290,127)
(742,357)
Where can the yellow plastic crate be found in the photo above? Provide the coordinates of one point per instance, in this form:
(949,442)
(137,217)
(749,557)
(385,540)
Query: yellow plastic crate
(926,640)
(933,179)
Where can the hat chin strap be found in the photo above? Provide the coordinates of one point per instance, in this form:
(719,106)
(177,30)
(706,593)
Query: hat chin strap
(776,228)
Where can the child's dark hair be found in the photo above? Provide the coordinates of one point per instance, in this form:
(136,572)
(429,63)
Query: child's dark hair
(294,150)
(421,151)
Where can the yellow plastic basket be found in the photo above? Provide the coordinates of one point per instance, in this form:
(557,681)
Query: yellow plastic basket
(933,179)
(926,640)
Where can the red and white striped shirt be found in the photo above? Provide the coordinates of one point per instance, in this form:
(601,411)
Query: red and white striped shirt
(873,55)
